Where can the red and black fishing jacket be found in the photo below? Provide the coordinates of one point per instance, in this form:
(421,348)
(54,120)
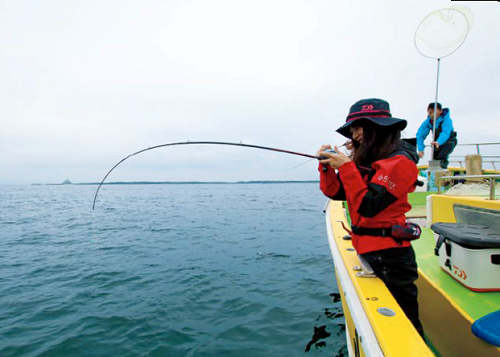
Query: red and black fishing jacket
(376,198)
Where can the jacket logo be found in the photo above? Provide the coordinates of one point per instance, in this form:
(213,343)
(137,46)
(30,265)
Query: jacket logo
(385,179)
(366,108)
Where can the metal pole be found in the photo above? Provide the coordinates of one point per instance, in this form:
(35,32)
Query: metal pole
(326,205)
(435,109)
(492,188)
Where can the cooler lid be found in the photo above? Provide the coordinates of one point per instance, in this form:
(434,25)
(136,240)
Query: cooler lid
(471,235)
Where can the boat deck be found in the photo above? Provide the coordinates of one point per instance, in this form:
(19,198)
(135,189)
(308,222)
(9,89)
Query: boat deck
(445,304)
(447,309)
(475,304)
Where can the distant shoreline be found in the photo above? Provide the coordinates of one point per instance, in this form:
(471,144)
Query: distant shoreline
(173,183)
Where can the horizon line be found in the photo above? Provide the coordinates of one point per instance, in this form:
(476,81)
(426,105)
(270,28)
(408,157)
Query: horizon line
(173,182)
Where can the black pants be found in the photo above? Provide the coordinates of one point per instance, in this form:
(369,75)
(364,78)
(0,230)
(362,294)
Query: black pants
(444,151)
(397,268)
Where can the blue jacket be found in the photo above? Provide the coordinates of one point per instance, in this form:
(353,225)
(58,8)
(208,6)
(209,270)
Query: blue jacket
(443,121)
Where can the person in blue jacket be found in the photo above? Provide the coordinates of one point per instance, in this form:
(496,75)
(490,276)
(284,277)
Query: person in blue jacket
(446,136)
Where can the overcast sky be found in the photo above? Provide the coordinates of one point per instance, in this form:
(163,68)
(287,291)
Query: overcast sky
(85,83)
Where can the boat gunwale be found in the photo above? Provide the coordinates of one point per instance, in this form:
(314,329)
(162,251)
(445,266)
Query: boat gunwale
(383,330)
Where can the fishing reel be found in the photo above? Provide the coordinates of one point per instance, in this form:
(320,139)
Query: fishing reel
(325,157)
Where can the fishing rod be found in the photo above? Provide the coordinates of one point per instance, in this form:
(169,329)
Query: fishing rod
(202,143)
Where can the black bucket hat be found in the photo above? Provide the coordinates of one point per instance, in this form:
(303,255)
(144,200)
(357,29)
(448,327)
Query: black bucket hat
(375,110)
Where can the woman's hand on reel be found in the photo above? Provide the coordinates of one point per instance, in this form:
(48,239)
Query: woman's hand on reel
(335,160)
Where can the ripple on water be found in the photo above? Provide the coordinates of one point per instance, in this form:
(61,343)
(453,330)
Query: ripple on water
(170,270)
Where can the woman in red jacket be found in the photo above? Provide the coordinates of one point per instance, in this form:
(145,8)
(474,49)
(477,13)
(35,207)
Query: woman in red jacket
(375,181)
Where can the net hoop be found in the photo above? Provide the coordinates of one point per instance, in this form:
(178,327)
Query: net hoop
(456,46)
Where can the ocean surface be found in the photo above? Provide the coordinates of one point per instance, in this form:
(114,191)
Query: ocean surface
(167,270)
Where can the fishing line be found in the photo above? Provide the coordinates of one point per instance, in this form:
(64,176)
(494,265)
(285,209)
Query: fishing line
(299,165)
(200,143)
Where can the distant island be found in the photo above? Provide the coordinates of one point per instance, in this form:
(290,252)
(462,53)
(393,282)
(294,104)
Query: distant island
(68,182)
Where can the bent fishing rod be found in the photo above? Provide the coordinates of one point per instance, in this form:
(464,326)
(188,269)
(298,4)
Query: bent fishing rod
(202,143)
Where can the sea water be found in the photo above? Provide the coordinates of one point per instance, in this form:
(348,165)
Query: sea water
(167,270)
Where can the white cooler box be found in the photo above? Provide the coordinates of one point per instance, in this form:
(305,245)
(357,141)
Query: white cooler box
(470,254)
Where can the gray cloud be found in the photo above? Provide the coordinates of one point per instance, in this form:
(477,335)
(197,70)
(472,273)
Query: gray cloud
(86,84)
